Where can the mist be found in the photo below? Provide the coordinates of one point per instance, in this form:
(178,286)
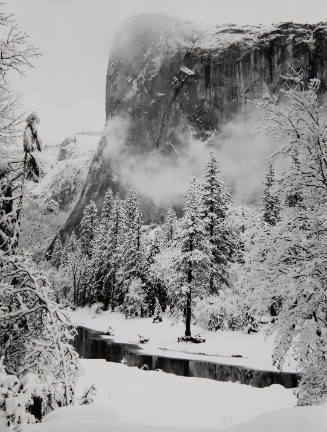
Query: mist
(242,153)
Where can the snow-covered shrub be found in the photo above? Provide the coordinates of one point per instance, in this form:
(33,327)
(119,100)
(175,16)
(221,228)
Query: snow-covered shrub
(312,389)
(219,313)
(157,315)
(37,332)
(88,396)
(18,398)
(143,339)
(135,302)
(110,331)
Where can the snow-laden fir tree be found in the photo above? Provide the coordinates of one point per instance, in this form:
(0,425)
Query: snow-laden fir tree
(113,250)
(157,314)
(193,263)
(77,270)
(290,183)
(271,202)
(107,208)
(83,259)
(215,202)
(88,227)
(133,255)
(99,247)
(133,251)
(169,226)
(154,287)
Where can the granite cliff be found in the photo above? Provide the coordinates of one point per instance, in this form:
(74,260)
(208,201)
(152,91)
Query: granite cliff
(170,81)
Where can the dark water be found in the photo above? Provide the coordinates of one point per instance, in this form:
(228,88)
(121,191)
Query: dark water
(91,345)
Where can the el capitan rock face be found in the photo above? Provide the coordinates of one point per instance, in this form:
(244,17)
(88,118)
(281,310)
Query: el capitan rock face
(199,79)
(170,79)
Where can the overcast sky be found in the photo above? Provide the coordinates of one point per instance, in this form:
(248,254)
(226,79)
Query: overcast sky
(67,85)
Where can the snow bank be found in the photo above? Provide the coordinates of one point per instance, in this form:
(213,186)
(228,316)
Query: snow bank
(129,398)
(299,419)
(302,419)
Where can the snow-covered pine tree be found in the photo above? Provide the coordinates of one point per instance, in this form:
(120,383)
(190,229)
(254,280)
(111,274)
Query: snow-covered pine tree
(291,184)
(133,252)
(271,201)
(57,252)
(98,259)
(78,271)
(192,265)
(154,288)
(215,202)
(113,250)
(107,208)
(88,227)
(169,226)
(157,314)
(100,245)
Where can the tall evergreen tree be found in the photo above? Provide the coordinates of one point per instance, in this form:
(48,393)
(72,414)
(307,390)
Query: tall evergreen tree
(133,252)
(113,250)
(291,184)
(215,202)
(154,288)
(89,225)
(107,208)
(270,198)
(78,268)
(170,225)
(100,243)
(193,263)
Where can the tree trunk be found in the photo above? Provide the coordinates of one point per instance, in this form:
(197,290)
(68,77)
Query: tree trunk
(107,295)
(188,303)
(188,314)
(74,291)
(113,292)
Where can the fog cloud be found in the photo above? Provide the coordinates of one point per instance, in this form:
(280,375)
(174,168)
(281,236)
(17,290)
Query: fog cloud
(242,154)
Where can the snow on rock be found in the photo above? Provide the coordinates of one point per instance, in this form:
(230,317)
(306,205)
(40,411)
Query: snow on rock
(187,71)
(64,175)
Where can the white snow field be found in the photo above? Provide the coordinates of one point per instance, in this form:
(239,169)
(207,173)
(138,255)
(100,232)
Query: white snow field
(133,400)
(255,349)
(130,399)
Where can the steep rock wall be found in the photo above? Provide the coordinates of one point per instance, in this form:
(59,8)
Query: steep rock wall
(172,79)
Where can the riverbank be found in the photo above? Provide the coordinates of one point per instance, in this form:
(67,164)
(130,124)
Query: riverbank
(254,350)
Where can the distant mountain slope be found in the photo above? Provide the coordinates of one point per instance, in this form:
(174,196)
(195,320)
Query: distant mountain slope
(47,203)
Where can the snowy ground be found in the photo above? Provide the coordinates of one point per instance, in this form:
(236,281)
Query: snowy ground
(133,400)
(129,398)
(255,349)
